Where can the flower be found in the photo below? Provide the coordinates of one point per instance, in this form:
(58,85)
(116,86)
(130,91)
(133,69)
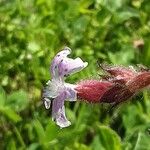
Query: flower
(118,84)
(57,90)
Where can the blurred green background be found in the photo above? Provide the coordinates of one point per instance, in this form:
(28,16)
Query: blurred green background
(31,33)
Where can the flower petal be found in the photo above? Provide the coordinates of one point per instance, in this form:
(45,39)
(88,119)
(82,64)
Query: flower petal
(57,59)
(70,66)
(61,119)
(51,90)
(71,94)
(58,110)
(63,66)
(47,103)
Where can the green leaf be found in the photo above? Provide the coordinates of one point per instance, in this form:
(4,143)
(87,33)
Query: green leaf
(2,97)
(103,18)
(11,145)
(19,137)
(125,14)
(51,131)
(40,131)
(111,5)
(96,144)
(33,146)
(10,113)
(142,142)
(106,139)
(137,121)
(18,100)
(33,47)
(127,55)
(81,146)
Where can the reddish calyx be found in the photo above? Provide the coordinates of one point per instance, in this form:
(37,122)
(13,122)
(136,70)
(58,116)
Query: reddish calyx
(92,90)
(118,85)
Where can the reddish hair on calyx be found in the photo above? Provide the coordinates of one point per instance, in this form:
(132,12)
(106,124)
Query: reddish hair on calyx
(92,90)
(118,84)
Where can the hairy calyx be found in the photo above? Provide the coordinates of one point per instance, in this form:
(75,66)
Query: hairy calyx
(118,84)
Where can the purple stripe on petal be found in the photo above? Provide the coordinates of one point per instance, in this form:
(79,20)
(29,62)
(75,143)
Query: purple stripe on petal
(58,103)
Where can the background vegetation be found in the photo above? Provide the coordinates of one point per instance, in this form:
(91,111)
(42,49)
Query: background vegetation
(31,33)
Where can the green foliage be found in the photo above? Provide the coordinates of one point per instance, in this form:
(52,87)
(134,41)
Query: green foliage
(31,33)
(104,136)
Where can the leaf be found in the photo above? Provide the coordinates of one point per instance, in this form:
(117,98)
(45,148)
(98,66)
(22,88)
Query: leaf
(125,14)
(81,146)
(111,5)
(40,131)
(106,139)
(103,18)
(127,55)
(2,97)
(82,118)
(51,131)
(18,100)
(11,145)
(96,144)
(141,142)
(19,137)
(10,113)
(137,121)
(33,47)
(33,146)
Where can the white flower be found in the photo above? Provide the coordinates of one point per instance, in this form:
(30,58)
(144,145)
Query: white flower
(57,91)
